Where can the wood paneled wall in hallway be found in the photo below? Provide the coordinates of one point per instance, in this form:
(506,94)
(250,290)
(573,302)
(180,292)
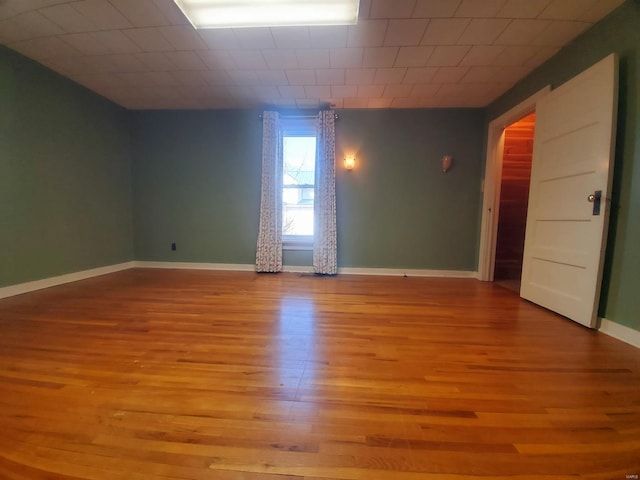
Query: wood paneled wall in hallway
(514,196)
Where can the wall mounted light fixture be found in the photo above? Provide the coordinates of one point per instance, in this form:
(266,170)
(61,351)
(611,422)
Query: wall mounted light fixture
(349,162)
(447,162)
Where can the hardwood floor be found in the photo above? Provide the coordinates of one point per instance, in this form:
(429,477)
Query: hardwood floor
(169,374)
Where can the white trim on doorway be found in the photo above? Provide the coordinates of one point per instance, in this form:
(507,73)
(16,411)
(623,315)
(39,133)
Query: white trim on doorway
(493,179)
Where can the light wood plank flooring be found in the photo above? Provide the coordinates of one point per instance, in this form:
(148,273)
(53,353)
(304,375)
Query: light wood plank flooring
(169,374)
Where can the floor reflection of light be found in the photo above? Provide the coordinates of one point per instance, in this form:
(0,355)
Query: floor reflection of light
(297,338)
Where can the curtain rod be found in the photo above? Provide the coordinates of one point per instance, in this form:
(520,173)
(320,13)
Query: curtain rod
(299,116)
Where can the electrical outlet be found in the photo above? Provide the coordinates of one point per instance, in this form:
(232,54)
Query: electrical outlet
(173,247)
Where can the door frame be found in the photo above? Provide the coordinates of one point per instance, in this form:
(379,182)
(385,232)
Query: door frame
(492,182)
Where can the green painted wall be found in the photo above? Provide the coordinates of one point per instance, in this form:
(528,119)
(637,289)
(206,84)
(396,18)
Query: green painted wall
(65,175)
(397,209)
(619,32)
(197,183)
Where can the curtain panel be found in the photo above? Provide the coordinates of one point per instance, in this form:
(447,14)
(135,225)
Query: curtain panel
(269,249)
(325,255)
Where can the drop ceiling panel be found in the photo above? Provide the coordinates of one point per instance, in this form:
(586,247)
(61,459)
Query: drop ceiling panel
(401,54)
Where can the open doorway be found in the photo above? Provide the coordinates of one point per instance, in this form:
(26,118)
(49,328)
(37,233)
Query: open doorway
(514,196)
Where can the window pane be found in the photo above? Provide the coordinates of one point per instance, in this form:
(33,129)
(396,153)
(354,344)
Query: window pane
(299,158)
(299,165)
(297,211)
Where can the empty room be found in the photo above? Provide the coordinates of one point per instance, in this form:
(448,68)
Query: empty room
(319,240)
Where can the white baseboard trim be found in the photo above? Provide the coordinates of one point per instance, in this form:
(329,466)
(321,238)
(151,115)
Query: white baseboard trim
(620,332)
(236,267)
(27,287)
(307,269)
(396,272)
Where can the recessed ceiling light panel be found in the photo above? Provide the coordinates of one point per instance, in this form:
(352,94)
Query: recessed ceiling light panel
(268,13)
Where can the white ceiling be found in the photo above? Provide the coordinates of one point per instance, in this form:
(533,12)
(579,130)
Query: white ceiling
(144,54)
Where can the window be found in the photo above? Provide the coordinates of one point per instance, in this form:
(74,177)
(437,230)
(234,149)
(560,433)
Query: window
(298,187)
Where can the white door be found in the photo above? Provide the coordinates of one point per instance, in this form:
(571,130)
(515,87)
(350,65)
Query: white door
(572,161)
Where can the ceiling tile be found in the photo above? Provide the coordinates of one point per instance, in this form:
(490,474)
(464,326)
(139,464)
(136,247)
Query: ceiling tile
(217,78)
(189,78)
(253,38)
(219,38)
(389,75)
(272,77)
(397,90)
(126,62)
(355,102)
(360,76)
(392,8)
(522,32)
(115,42)
(183,37)
(141,13)
(483,74)
(313,58)
(317,91)
(420,74)
(243,78)
(281,59)
(449,74)
(522,8)
(380,57)
(344,91)
(162,79)
(599,10)
(413,56)
(171,11)
(68,18)
(329,36)
(291,37)
(483,31)
(367,33)
(148,39)
(379,102)
(444,31)
(514,56)
(482,55)
(248,59)
(559,32)
(370,91)
(447,56)
(405,32)
(400,53)
(479,8)
(435,8)
(291,91)
(425,90)
(301,77)
(155,61)
(330,76)
(217,59)
(41,48)
(102,15)
(566,9)
(346,57)
(186,60)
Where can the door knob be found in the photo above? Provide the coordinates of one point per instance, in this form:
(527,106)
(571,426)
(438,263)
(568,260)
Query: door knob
(595,199)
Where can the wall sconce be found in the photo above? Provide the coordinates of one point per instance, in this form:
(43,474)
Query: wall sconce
(447,163)
(349,162)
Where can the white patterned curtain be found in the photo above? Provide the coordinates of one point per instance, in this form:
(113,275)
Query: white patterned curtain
(325,253)
(269,251)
